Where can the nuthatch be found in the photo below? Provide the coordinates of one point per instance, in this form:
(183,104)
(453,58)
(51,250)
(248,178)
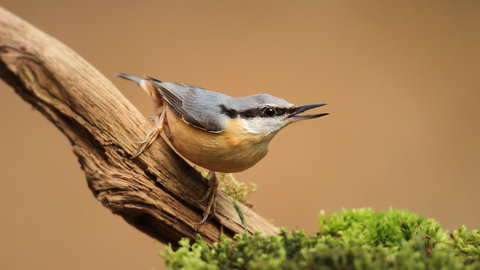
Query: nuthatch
(216,131)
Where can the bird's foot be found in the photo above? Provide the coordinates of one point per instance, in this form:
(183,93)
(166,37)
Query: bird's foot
(151,135)
(210,196)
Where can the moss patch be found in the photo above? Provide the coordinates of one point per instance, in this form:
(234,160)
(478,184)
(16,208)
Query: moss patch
(351,239)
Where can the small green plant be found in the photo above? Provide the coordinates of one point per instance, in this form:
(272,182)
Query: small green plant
(351,239)
(237,190)
(240,215)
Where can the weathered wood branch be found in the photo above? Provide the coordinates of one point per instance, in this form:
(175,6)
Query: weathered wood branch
(156,192)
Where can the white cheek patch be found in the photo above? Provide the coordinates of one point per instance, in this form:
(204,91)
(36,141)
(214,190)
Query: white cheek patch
(263,126)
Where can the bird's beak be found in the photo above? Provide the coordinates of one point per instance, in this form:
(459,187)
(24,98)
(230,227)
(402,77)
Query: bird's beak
(302,108)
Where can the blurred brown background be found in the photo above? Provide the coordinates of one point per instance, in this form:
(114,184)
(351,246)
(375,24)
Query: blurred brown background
(401,80)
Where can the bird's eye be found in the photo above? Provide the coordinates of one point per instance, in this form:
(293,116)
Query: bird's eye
(269,112)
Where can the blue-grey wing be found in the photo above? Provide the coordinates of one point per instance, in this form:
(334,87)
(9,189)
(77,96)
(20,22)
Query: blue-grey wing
(196,106)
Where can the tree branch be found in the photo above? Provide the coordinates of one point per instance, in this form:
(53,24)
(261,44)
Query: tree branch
(156,192)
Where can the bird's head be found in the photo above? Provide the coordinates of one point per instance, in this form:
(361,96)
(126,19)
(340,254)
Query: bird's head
(264,115)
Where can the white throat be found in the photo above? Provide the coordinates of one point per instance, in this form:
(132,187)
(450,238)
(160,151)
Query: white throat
(264,127)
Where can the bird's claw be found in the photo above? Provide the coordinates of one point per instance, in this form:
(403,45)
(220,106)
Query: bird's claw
(211,195)
(151,136)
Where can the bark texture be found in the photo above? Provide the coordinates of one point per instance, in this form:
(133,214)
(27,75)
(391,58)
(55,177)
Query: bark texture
(156,192)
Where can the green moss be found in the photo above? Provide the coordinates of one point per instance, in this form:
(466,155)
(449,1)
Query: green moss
(364,227)
(353,239)
(466,243)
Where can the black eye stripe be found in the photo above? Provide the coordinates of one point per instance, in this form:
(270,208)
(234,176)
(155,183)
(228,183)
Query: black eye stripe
(251,113)
(230,112)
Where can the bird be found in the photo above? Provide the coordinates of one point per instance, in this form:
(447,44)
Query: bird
(215,131)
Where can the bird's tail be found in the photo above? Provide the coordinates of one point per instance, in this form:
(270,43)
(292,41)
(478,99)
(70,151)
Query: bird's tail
(146,85)
(129,77)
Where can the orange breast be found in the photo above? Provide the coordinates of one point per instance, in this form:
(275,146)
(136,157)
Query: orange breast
(232,150)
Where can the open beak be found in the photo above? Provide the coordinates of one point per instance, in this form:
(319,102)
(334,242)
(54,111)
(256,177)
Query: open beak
(303,108)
